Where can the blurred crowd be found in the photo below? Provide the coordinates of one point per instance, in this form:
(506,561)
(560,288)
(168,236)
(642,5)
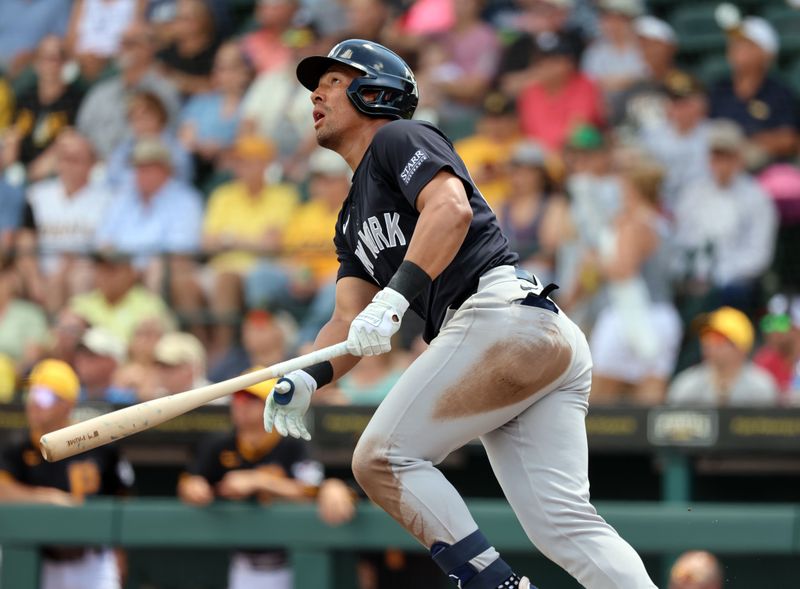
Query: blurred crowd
(166,218)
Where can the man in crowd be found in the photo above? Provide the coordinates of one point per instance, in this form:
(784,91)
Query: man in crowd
(725,377)
(67,210)
(181,361)
(725,226)
(100,354)
(764,106)
(249,463)
(119,302)
(53,390)
(561,97)
(680,141)
(158,217)
(102,114)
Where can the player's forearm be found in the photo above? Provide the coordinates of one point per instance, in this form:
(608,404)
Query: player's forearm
(13,492)
(333,332)
(440,231)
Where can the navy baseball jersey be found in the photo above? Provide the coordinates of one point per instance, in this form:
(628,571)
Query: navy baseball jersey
(99,471)
(219,454)
(379,215)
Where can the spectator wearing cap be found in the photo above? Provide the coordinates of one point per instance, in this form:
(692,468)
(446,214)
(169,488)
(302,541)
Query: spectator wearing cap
(23,324)
(98,357)
(643,103)
(188,58)
(632,261)
(680,141)
(525,215)
(725,377)
(181,361)
(303,278)
(764,106)
(249,463)
(23,24)
(25,477)
(696,569)
(158,220)
(517,63)
(43,110)
(118,302)
(265,339)
(147,118)
(245,219)
(560,98)
(615,61)
(66,210)
(486,152)
(725,227)
(780,353)
(102,115)
(210,121)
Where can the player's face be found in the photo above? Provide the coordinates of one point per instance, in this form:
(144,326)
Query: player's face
(46,411)
(247,411)
(334,114)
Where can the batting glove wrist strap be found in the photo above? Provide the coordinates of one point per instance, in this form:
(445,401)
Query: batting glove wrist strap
(410,280)
(322,373)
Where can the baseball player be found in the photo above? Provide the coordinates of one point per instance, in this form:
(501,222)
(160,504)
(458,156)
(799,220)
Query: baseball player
(504,363)
(53,389)
(248,462)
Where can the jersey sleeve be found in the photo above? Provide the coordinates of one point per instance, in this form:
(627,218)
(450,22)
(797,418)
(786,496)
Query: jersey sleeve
(410,154)
(349,264)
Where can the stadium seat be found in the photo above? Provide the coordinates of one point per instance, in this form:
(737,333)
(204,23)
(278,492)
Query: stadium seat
(696,28)
(713,67)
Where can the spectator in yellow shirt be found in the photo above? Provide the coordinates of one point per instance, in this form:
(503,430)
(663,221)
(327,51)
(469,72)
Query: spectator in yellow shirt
(245,219)
(305,274)
(487,152)
(118,302)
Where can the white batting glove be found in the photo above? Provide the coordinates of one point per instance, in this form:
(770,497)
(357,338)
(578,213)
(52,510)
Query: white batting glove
(372,330)
(287,405)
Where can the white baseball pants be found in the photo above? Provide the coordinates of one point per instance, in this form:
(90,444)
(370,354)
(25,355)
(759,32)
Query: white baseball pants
(517,377)
(242,575)
(97,570)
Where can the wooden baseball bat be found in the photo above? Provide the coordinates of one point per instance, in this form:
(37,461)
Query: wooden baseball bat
(122,423)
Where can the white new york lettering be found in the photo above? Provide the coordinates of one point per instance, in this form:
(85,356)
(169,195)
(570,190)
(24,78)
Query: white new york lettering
(366,237)
(393,229)
(377,233)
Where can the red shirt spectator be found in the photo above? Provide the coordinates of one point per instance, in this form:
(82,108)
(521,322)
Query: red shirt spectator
(560,98)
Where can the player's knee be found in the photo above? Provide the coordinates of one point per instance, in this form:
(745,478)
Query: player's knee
(372,468)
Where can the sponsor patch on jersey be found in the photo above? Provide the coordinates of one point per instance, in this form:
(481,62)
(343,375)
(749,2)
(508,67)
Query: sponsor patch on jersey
(413,165)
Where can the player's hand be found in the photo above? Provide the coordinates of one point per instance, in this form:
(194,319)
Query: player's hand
(238,484)
(335,502)
(372,330)
(54,496)
(287,405)
(195,490)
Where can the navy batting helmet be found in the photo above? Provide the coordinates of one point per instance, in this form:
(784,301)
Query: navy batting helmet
(383,71)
